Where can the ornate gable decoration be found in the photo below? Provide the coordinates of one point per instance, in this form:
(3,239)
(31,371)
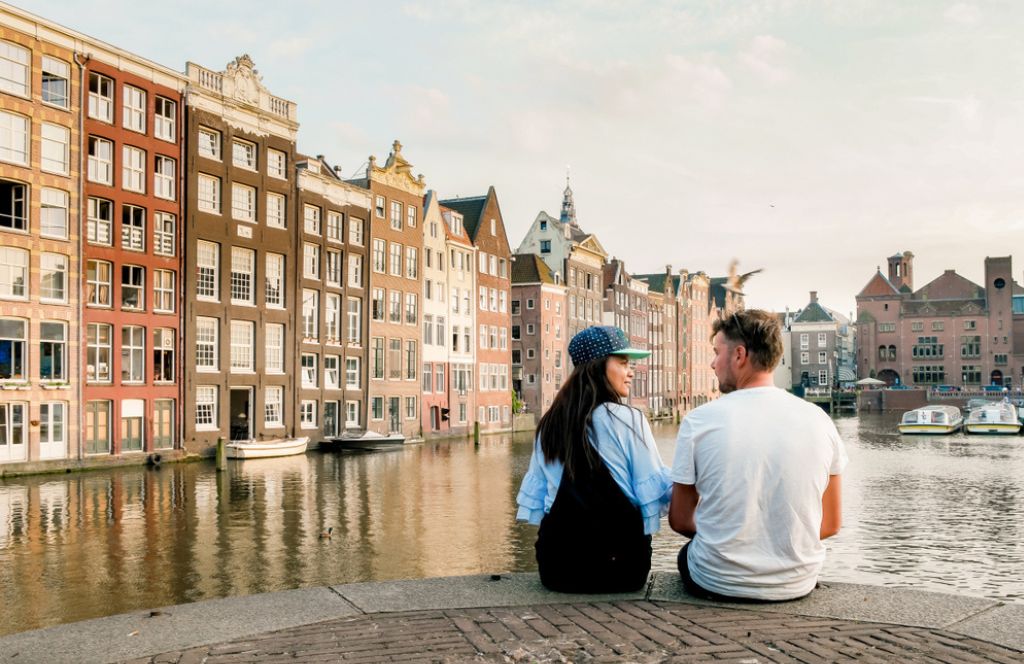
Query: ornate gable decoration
(971,308)
(926,309)
(396,172)
(243,82)
(590,243)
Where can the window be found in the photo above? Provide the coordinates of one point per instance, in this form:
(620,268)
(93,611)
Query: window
(310,314)
(916,326)
(1000,359)
(208,195)
(12,349)
(822,357)
(272,404)
(332,271)
(938,325)
(243,333)
(100,165)
(13,206)
(97,276)
(51,423)
(822,339)
(56,82)
(927,347)
(243,154)
(208,269)
(207,351)
(930,374)
(888,327)
(164,233)
(98,348)
(353,333)
(332,318)
(133,171)
(351,414)
(377,408)
(53,344)
(163,177)
(308,366)
(163,291)
(395,259)
(277,162)
(15,69)
(310,261)
(311,219)
(971,374)
(355,271)
(377,304)
(53,277)
(13,273)
(163,423)
(334,232)
(394,359)
(410,360)
(133,228)
(307,414)
(502,301)
(133,354)
(53,213)
(394,306)
(972,325)
(970,346)
(332,372)
(379,256)
(483,262)
(276,211)
(209,143)
(275,279)
(377,357)
(355,232)
(163,355)
(97,427)
(274,333)
(14,137)
(483,298)
(410,309)
(530,303)
(545,246)
(101,98)
(411,266)
(133,115)
(242,264)
(165,119)
(55,151)
(410,216)
(410,408)
(396,215)
(133,285)
(352,373)
(439,378)
(243,202)
(206,408)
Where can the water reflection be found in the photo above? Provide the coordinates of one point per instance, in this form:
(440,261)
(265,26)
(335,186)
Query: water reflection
(939,513)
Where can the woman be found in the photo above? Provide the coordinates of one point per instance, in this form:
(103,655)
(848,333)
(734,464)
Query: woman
(596,484)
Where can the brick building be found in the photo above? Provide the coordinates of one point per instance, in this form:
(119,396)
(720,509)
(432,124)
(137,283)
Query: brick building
(539,363)
(461,283)
(435,409)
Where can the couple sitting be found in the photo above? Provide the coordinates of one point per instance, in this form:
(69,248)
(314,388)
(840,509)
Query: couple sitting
(754,483)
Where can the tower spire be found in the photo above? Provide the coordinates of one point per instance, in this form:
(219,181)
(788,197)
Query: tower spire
(568,214)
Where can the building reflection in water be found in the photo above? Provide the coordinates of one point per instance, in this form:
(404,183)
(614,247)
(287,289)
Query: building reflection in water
(102,543)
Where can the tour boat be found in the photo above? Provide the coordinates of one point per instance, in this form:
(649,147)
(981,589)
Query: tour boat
(994,417)
(262,449)
(932,419)
(367,440)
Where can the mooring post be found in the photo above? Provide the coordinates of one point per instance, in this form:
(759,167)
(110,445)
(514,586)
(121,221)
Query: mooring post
(221,454)
(476,433)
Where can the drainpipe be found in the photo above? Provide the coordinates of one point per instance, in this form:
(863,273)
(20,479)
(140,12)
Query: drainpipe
(81,60)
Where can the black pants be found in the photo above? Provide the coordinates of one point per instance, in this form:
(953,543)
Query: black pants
(695,589)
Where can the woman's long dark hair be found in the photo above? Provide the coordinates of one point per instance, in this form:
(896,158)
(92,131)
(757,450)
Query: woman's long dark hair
(564,428)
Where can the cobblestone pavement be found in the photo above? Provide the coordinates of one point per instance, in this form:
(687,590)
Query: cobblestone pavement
(623,631)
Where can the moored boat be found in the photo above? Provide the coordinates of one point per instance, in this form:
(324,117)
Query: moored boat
(263,449)
(366,440)
(931,419)
(997,417)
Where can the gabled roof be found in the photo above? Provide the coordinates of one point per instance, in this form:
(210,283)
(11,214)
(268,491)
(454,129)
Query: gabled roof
(814,313)
(449,233)
(878,286)
(949,286)
(656,282)
(530,269)
(471,210)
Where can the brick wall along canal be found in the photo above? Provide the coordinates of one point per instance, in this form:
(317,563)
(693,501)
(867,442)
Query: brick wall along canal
(943,513)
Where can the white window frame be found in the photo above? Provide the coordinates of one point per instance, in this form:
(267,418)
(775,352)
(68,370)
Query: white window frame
(164,181)
(165,239)
(207,415)
(243,270)
(101,98)
(243,202)
(207,350)
(133,169)
(274,274)
(309,370)
(310,261)
(208,259)
(307,414)
(276,206)
(54,213)
(333,268)
(133,355)
(332,372)
(55,148)
(53,266)
(243,154)
(97,349)
(312,216)
(243,337)
(273,407)
(355,270)
(274,341)
(332,318)
(98,285)
(14,266)
(335,226)
(100,167)
(165,119)
(277,164)
(133,228)
(208,193)
(133,108)
(15,69)
(163,291)
(210,143)
(354,329)
(355,231)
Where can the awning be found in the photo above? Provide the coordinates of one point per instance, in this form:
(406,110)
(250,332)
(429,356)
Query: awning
(846,375)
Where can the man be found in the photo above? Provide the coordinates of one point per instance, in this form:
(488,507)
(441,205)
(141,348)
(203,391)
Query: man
(756,476)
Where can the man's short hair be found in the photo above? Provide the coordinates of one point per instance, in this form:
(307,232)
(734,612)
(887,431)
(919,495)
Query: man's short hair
(759,332)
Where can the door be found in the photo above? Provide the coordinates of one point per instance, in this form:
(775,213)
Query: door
(330,419)
(997,377)
(12,432)
(241,413)
(163,424)
(132,411)
(435,418)
(52,430)
(394,414)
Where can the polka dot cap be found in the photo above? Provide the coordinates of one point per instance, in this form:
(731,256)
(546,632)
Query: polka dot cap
(596,342)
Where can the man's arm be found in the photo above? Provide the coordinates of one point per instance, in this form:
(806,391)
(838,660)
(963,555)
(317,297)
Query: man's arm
(831,507)
(682,508)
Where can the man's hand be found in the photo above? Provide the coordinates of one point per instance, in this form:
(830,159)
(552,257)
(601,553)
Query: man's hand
(682,508)
(831,507)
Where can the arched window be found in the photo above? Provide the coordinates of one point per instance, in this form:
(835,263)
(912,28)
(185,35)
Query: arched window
(892,353)
(882,354)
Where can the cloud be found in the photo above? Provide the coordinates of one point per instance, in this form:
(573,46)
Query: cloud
(417,11)
(764,58)
(962,13)
(291,47)
(700,81)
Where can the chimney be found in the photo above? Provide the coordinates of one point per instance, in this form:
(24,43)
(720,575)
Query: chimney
(814,296)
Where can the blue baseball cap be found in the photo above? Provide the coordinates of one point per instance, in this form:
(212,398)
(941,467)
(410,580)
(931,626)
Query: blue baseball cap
(596,342)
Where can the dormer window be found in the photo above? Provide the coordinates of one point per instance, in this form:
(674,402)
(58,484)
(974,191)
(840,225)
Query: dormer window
(543,225)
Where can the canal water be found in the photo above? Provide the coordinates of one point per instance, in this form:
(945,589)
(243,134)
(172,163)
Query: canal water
(936,513)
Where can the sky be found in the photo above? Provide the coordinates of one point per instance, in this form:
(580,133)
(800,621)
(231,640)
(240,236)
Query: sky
(810,139)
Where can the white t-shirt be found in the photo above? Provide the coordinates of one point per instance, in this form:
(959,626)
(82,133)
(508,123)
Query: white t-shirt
(760,459)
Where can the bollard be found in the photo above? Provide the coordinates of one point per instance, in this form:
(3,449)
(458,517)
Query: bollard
(221,454)
(476,433)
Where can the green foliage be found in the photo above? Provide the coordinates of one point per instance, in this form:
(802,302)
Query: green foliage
(517,404)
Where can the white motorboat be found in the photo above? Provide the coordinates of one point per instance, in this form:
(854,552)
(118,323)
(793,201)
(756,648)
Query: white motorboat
(368,440)
(263,449)
(932,419)
(999,417)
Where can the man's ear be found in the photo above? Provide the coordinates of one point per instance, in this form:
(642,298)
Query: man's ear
(741,354)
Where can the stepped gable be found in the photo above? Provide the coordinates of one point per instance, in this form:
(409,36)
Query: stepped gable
(878,286)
